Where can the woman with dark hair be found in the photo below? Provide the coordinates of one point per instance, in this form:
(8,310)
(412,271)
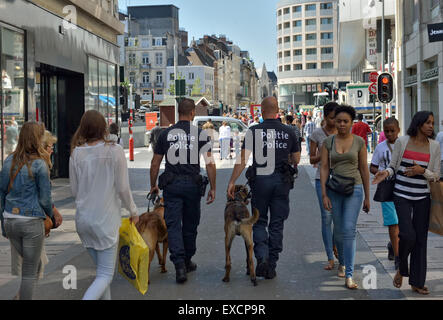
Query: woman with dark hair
(317,138)
(345,155)
(415,161)
(99,180)
(290,122)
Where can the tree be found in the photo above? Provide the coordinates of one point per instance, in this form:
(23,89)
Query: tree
(171,89)
(196,88)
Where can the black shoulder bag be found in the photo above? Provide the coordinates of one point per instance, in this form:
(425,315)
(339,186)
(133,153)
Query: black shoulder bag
(337,183)
(385,189)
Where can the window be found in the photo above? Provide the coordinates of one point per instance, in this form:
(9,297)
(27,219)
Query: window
(287,25)
(160,92)
(327,35)
(286,11)
(279,26)
(297,38)
(287,53)
(298,66)
(131,59)
(327,65)
(191,76)
(434,3)
(327,50)
(311,22)
(326,6)
(288,67)
(145,77)
(326,20)
(311,66)
(145,43)
(159,58)
(296,9)
(297,23)
(310,7)
(311,51)
(157,42)
(279,13)
(280,40)
(287,39)
(280,55)
(132,77)
(159,77)
(298,52)
(145,59)
(311,36)
(280,69)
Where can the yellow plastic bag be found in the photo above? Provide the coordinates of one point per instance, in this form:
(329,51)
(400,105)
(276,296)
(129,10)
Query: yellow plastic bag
(133,256)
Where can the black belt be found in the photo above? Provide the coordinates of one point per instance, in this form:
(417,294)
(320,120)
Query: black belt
(185,178)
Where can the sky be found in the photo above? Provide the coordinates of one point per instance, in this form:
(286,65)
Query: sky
(250,24)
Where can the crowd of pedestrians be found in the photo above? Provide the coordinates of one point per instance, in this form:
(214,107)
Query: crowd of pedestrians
(336,146)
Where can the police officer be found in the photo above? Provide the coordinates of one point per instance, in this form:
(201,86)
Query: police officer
(275,150)
(181,182)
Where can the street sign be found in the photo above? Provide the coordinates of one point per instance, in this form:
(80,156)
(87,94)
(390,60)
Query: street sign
(373,88)
(180,87)
(435,32)
(373,77)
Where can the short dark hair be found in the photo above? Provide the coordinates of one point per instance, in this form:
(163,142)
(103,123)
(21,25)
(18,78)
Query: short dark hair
(360,117)
(289,119)
(346,109)
(418,121)
(186,106)
(390,121)
(309,118)
(329,108)
(113,128)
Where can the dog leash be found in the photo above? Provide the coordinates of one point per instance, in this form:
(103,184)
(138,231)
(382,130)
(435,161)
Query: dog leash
(152,197)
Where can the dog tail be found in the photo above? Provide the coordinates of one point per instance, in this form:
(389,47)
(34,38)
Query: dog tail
(254,218)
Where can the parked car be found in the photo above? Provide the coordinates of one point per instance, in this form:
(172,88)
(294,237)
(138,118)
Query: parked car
(141,112)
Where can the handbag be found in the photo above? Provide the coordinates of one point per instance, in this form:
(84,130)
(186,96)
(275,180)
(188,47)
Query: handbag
(385,189)
(337,183)
(436,215)
(48,221)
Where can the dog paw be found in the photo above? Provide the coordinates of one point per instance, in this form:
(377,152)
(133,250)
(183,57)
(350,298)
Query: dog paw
(226,279)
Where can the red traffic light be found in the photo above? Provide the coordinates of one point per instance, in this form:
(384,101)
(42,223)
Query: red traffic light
(385,80)
(385,88)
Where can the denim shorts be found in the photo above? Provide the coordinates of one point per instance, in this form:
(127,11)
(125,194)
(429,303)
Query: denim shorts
(389,214)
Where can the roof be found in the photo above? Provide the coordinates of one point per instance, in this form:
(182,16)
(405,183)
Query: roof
(170,101)
(272,76)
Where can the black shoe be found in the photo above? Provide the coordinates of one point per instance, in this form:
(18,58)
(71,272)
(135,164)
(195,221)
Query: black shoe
(190,266)
(390,251)
(397,263)
(262,268)
(271,274)
(180,275)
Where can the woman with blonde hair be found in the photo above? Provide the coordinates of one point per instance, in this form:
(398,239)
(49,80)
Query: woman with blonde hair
(99,180)
(25,194)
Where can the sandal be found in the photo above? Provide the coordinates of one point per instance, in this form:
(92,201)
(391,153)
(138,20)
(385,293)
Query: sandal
(398,280)
(350,284)
(335,251)
(424,290)
(341,271)
(330,265)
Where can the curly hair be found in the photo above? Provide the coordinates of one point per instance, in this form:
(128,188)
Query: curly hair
(346,109)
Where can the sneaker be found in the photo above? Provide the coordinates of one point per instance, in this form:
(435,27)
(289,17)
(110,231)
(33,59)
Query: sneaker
(180,274)
(390,251)
(190,266)
(262,268)
(271,274)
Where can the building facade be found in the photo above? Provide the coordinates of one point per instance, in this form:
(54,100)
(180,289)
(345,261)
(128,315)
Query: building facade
(59,58)
(199,80)
(422,61)
(307,50)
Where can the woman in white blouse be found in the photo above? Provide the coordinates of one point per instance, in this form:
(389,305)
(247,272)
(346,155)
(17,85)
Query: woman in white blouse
(100,184)
(225,140)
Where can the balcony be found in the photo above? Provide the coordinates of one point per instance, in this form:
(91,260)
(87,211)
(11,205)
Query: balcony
(326,27)
(327,42)
(311,28)
(296,15)
(310,13)
(145,66)
(287,60)
(297,30)
(279,33)
(145,85)
(287,45)
(280,47)
(311,57)
(297,58)
(327,56)
(280,19)
(326,12)
(159,84)
(297,44)
(287,31)
(286,17)
(311,43)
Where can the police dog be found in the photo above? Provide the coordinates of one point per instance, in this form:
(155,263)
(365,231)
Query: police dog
(152,228)
(238,221)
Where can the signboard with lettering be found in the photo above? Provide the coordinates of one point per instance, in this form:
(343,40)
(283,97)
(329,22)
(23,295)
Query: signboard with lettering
(435,32)
(371,46)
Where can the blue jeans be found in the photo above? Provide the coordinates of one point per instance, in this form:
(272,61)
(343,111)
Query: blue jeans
(182,216)
(105,262)
(269,193)
(345,211)
(326,224)
(308,147)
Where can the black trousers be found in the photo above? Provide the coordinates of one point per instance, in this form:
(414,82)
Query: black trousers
(413,222)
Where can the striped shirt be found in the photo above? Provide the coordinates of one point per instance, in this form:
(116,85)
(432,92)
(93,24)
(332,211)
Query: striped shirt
(412,188)
(309,128)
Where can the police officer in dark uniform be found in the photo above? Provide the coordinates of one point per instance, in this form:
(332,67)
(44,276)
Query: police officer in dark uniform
(182,184)
(275,153)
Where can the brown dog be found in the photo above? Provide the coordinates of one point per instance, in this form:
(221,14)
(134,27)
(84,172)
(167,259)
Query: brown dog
(238,221)
(152,228)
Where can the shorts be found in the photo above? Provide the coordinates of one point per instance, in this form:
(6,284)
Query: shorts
(389,214)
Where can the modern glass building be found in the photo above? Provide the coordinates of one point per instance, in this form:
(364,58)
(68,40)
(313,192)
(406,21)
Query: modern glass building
(307,50)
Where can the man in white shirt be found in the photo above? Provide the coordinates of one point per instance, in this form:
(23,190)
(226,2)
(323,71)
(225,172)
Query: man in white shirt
(225,141)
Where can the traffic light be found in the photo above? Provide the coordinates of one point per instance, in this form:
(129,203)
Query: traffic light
(335,96)
(328,90)
(385,88)
(152,96)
